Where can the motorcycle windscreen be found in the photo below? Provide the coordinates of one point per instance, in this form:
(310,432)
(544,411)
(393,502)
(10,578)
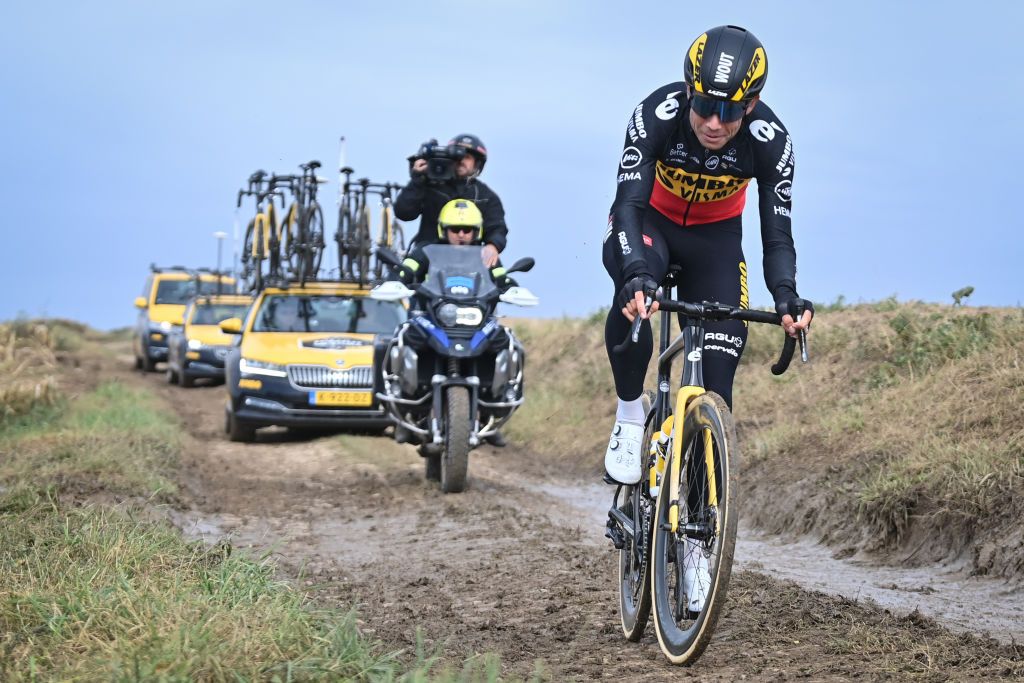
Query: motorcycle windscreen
(457,272)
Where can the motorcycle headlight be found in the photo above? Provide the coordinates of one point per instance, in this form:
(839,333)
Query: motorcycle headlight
(447,314)
(469,315)
(194,344)
(248,366)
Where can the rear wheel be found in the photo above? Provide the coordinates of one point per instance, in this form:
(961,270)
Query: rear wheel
(455,459)
(686,600)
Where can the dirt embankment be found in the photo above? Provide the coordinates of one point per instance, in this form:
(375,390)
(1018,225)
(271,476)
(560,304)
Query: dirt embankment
(516,566)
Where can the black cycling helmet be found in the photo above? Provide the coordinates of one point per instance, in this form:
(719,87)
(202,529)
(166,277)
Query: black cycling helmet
(727,63)
(474,146)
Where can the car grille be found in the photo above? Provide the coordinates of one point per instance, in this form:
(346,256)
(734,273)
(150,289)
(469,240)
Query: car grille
(319,377)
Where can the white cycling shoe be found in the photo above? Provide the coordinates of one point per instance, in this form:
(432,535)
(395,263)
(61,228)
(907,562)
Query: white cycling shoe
(623,460)
(696,578)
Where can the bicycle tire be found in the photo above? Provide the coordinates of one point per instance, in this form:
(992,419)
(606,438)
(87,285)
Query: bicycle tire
(684,635)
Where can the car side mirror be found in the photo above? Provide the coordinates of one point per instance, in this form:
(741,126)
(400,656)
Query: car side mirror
(523,265)
(140,302)
(231,326)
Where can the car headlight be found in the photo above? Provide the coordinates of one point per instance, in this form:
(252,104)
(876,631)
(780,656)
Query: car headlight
(248,366)
(447,314)
(195,344)
(469,315)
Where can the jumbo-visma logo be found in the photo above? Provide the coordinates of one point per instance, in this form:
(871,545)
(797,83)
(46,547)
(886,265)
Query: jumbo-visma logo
(695,187)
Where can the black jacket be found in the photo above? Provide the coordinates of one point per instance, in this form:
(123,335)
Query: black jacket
(420,198)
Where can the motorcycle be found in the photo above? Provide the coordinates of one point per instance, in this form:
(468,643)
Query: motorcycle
(453,375)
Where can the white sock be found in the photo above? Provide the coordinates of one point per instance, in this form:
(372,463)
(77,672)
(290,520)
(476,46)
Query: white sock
(631,411)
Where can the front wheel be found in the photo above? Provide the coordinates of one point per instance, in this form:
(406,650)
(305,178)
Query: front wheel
(690,567)
(455,459)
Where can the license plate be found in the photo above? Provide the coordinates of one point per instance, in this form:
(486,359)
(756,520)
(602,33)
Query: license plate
(341,398)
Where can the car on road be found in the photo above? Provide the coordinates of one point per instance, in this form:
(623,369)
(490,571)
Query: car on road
(309,356)
(162,308)
(199,348)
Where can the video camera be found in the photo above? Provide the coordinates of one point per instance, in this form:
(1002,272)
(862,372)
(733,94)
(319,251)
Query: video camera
(441,159)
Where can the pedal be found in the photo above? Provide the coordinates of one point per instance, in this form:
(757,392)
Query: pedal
(613,532)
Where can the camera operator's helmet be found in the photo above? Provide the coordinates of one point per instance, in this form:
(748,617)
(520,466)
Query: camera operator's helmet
(473,145)
(460,213)
(726,63)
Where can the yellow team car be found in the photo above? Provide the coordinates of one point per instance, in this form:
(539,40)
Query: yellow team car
(200,347)
(162,308)
(309,356)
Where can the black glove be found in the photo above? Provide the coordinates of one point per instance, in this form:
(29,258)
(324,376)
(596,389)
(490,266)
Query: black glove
(406,275)
(794,307)
(504,283)
(641,282)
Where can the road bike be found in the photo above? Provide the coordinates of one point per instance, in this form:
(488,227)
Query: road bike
(683,515)
(302,227)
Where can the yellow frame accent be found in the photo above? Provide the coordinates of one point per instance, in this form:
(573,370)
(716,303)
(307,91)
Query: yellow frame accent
(686,394)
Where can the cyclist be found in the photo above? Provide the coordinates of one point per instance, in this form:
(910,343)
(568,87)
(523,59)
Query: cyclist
(424,197)
(691,148)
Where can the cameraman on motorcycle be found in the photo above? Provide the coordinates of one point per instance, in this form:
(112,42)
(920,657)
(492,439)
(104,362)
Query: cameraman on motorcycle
(440,174)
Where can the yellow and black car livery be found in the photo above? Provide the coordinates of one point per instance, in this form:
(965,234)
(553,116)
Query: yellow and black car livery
(200,347)
(162,308)
(309,356)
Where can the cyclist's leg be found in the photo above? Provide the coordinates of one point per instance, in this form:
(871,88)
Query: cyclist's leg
(623,456)
(714,270)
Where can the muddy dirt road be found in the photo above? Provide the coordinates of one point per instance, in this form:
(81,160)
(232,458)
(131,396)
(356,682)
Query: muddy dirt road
(517,565)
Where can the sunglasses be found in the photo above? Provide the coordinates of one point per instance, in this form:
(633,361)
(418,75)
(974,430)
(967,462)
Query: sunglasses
(462,229)
(706,107)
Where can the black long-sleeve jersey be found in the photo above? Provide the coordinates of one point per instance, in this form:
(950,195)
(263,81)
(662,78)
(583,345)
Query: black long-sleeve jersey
(420,198)
(664,166)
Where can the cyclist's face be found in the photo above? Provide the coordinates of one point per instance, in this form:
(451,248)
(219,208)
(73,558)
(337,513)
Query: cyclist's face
(714,134)
(467,165)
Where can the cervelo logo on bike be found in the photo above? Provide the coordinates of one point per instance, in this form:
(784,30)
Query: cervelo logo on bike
(631,158)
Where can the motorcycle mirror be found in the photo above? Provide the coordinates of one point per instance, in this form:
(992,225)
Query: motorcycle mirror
(388,256)
(519,296)
(522,265)
(391,291)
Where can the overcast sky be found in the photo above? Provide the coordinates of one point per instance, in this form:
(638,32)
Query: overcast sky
(128,127)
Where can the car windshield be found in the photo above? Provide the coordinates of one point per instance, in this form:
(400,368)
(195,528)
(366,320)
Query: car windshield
(212,314)
(325,313)
(180,291)
(457,272)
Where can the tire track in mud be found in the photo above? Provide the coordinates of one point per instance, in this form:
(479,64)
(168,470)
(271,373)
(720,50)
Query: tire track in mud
(510,567)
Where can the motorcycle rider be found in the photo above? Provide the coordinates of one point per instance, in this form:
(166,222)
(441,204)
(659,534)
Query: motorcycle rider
(691,148)
(459,222)
(424,197)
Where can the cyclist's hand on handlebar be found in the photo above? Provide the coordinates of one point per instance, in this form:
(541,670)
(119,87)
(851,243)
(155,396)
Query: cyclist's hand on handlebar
(791,323)
(490,255)
(631,297)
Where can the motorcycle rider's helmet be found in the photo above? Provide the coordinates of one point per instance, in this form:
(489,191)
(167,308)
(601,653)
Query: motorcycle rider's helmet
(474,146)
(727,63)
(460,213)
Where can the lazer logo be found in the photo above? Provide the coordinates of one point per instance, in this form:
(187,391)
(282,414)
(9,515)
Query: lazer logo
(666,111)
(724,68)
(781,211)
(630,175)
(624,243)
(784,190)
(631,158)
(764,131)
